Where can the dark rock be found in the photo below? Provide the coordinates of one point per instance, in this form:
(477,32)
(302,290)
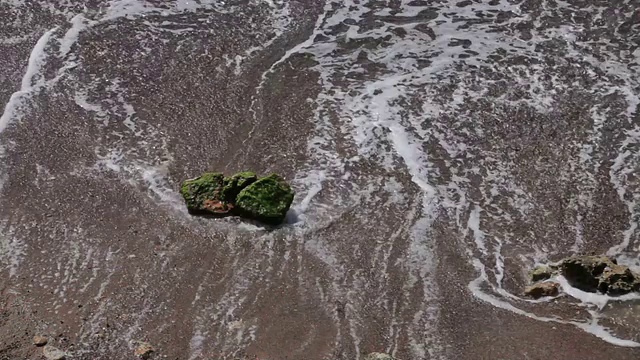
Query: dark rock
(599,273)
(266,200)
(542,289)
(583,272)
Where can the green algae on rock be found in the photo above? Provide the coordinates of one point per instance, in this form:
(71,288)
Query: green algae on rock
(236,183)
(203,195)
(266,200)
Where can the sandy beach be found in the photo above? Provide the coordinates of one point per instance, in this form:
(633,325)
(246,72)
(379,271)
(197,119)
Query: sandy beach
(438,150)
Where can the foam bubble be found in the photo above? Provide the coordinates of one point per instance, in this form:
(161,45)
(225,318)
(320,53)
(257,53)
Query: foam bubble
(30,80)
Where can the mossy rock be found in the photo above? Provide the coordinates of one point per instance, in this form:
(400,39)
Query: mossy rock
(203,195)
(236,183)
(266,200)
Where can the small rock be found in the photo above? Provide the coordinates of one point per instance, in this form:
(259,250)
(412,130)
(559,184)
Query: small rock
(542,289)
(378,356)
(542,272)
(618,280)
(144,350)
(53,353)
(40,340)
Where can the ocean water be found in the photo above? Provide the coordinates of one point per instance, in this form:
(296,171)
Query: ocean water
(438,150)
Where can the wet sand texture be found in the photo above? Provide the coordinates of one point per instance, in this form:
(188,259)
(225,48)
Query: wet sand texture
(438,150)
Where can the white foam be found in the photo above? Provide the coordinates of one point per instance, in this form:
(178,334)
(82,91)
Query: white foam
(81,98)
(36,61)
(12,40)
(372,113)
(196,345)
(127,9)
(110,161)
(421,266)
(624,164)
(315,179)
(78,24)
(474,226)
(597,299)
(156,179)
(12,249)
(409,151)
(30,82)
(592,327)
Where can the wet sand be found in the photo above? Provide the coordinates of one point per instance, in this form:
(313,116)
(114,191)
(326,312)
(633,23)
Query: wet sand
(410,183)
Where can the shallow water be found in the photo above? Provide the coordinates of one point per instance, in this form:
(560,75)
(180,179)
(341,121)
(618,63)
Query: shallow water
(439,150)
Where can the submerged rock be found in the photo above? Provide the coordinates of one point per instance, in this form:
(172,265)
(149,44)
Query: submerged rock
(53,353)
(591,274)
(542,289)
(587,273)
(378,356)
(542,272)
(266,200)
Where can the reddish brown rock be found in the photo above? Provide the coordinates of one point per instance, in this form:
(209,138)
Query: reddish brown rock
(542,289)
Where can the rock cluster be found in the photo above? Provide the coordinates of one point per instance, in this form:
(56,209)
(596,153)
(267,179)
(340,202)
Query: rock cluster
(587,273)
(264,199)
(599,273)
